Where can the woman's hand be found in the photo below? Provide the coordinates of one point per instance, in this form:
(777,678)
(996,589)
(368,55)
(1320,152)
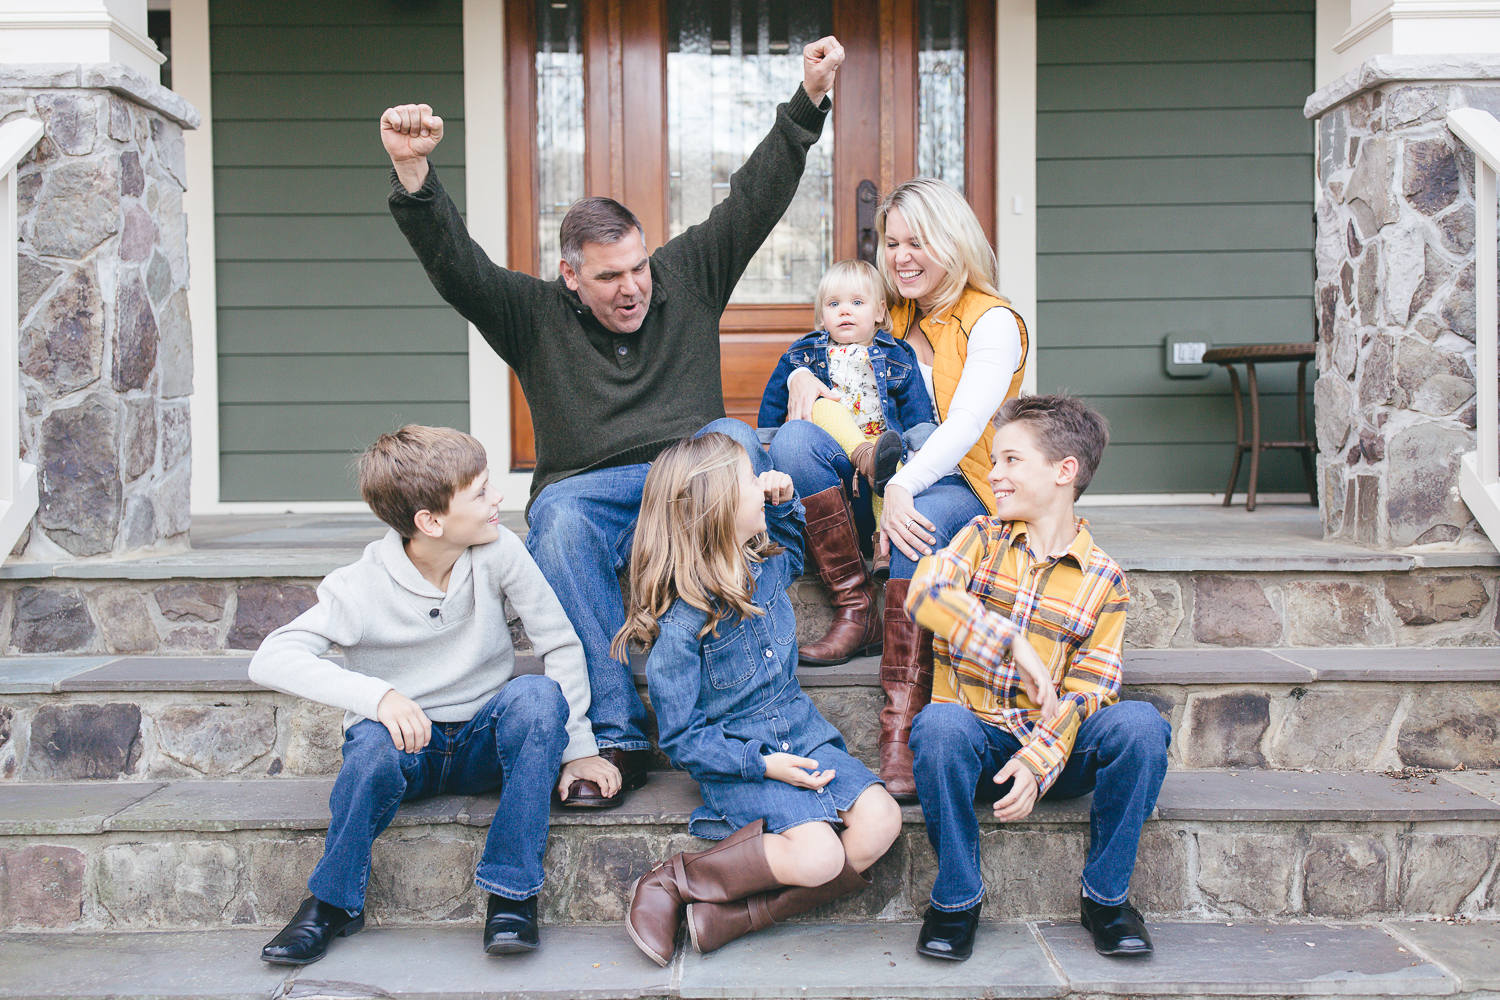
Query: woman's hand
(904,526)
(803,390)
(777,486)
(799,771)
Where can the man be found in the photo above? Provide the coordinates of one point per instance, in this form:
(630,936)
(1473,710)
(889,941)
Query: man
(618,359)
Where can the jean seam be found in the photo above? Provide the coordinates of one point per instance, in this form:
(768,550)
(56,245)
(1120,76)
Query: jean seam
(488,886)
(962,906)
(1095,894)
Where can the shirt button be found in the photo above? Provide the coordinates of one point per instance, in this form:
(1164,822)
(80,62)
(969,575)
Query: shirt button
(786,746)
(622,350)
(434,612)
(769,654)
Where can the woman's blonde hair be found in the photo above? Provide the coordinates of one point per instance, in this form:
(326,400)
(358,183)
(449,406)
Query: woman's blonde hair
(685,541)
(948,230)
(847,273)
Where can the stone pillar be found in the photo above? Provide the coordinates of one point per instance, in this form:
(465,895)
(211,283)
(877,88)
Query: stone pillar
(74,31)
(1395,297)
(106,347)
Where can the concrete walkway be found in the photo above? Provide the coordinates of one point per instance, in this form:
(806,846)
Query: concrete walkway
(791,961)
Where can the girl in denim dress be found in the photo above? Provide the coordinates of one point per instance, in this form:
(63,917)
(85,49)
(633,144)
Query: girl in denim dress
(801,820)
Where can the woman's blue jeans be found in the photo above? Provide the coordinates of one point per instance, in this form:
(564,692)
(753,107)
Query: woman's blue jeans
(514,743)
(814,460)
(1120,755)
(581,531)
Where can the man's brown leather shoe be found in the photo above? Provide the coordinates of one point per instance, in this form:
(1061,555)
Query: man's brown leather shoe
(584,794)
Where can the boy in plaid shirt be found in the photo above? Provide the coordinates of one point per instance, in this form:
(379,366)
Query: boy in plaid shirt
(1029,615)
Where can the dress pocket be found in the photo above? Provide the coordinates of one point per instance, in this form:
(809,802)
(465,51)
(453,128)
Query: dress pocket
(730,660)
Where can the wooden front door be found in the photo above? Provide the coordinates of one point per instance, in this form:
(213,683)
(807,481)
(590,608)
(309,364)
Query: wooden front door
(656,102)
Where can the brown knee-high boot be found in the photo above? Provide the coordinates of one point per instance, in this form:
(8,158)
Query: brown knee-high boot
(733,868)
(833,550)
(906,676)
(713,925)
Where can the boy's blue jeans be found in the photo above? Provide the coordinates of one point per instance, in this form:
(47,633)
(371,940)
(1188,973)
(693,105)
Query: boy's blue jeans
(1120,755)
(580,535)
(514,743)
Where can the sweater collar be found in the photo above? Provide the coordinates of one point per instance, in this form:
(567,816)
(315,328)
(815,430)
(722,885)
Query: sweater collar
(392,555)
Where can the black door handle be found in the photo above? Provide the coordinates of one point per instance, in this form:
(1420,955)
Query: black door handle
(865,201)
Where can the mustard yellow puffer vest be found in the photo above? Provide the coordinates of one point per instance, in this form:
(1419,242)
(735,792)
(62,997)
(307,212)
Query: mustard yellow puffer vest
(949,336)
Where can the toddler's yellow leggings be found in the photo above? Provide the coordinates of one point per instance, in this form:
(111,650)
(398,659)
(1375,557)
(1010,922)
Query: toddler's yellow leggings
(834,418)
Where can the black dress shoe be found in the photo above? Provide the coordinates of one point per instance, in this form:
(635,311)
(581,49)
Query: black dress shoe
(633,764)
(1117,930)
(306,938)
(510,926)
(948,933)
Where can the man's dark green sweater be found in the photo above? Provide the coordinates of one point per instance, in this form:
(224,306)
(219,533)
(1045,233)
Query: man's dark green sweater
(600,398)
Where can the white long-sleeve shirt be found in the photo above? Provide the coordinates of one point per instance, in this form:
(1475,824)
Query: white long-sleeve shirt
(448,652)
(994,353)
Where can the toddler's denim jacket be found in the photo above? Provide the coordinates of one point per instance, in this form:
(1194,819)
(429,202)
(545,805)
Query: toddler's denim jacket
(903,394)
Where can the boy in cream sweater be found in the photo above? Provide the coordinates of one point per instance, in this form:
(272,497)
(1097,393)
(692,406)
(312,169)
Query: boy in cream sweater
(431,703)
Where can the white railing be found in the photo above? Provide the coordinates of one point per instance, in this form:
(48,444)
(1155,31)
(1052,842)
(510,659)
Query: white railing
(18,496)
(1479,477)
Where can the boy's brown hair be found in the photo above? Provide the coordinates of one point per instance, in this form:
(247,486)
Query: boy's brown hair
(1062,426)
(417,468)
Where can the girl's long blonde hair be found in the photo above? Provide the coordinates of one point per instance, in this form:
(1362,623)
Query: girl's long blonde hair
(685,541)
(949,231)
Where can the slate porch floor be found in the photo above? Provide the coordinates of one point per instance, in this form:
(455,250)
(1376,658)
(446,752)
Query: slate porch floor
(799,960)
(1155,538)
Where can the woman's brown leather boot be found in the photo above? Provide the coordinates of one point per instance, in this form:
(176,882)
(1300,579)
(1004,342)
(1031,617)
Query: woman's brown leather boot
(906,677)
(733,868)
(833,550)
(713,925)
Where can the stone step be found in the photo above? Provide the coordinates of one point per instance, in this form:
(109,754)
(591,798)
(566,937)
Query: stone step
(168,718)
(1222,845)
(793,961)
(1200,577)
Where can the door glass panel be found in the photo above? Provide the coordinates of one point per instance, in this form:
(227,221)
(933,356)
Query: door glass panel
(940,90)
(729,64)
(559,122)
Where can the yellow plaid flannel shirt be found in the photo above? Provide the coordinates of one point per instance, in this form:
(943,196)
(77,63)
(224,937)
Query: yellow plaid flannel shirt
(987,587)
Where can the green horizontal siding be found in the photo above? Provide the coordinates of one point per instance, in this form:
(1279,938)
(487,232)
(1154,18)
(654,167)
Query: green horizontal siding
(392,330)
(329,331)
(1174,184)
(1244,179)
(323,427)
(316,144)
(307,190)
(1119,324)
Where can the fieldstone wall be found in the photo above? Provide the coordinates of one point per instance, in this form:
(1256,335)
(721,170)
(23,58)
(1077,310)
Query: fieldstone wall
(105,343)
(422,871)
(1395,300)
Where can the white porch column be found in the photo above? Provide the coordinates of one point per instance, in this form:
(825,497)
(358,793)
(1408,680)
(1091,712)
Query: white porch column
(79,31)
(1417,27)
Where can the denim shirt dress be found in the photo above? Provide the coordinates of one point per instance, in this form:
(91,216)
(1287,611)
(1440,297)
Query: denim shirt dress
(726,700)
(903,394)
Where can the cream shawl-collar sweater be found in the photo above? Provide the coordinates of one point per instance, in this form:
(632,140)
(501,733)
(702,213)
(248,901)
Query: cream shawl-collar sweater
(448,652)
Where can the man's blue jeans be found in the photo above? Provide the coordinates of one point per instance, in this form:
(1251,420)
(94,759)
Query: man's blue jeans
(580,535)
(1120,755)
(814,460)
(514,743)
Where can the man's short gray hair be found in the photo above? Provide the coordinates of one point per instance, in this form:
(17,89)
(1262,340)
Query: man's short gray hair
(596,220)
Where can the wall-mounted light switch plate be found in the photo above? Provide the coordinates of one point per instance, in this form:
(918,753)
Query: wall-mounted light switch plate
(1182,355)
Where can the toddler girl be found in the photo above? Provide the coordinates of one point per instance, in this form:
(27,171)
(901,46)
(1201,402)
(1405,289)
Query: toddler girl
(881,400)
(715,549)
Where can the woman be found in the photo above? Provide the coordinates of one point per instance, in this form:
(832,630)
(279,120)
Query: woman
(939,272)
